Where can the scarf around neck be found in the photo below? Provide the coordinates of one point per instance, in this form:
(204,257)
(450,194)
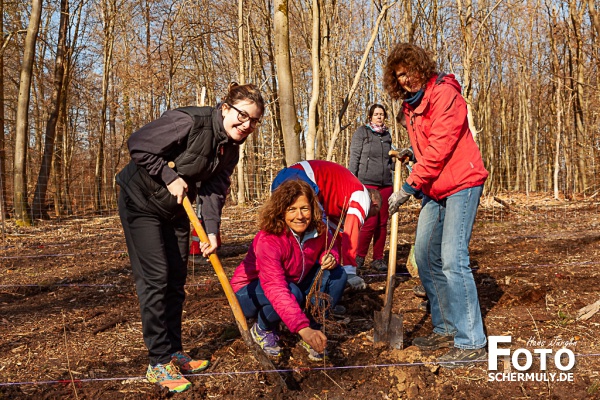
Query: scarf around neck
(415,98)
(378,128)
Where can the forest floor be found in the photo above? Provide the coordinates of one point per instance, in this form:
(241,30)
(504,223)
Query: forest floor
(70,324)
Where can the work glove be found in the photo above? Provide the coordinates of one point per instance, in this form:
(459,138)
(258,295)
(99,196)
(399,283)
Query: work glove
(405,155)
(400,197)
(397,199)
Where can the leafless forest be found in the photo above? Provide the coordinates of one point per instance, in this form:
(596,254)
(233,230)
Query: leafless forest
(79,76)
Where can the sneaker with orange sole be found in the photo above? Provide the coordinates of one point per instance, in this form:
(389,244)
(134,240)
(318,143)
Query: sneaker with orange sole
(168,376)
(187,364)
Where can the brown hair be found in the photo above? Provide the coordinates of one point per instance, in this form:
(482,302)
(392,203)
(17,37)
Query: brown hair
(248,92)
(272,214)
(372,111)
(416,60)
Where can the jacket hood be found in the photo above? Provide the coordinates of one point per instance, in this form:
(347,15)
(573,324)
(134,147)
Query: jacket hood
(432,83)
(449,79)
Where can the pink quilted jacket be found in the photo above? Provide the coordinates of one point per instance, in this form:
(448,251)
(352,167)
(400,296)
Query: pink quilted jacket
(277,260)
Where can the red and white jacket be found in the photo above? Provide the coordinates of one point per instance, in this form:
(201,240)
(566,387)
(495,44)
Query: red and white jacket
(339,188)
(448,159)
(277,260)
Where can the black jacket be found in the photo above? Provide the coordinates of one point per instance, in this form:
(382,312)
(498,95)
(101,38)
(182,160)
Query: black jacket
(369,157)
(195,140)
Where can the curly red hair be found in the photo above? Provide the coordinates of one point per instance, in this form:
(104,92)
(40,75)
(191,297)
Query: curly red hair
(272,214)
(416,60)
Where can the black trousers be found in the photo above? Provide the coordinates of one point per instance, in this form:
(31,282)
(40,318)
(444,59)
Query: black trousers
(158,251)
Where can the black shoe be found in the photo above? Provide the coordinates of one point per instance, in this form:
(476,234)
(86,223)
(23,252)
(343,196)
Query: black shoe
(379,265)
(459,358)
(434,341)
(339,311)
(419,291)
(360,262)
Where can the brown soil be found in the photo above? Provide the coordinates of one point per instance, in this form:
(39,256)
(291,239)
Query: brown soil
(70,326)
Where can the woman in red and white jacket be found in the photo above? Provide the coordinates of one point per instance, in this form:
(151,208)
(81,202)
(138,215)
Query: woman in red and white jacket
(450,174)
(274,279)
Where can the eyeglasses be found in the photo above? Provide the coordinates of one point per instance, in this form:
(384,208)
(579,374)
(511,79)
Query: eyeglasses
(243,116)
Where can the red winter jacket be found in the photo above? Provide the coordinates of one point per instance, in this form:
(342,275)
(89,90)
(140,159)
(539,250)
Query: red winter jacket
(277,260)
(339,189)
(448,159)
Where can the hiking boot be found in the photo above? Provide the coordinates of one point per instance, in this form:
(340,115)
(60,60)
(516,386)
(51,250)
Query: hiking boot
(267,340)
(312,354)
(355,282)
(434,341)
(360,262)
(338,310)
(187,364)
(419,291)
(168,376)
(457,358)
(379,265)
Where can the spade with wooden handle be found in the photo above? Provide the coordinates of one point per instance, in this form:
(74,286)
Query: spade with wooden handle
(240,319)
(388,326)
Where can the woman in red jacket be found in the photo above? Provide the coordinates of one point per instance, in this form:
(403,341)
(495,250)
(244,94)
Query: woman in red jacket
(450,174)
(272,282)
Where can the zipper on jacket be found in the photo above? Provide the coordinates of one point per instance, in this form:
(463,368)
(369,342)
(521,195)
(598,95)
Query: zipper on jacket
(302,253)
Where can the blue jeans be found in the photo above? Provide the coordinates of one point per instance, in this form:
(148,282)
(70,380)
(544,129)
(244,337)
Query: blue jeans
(442,256)
(254,303)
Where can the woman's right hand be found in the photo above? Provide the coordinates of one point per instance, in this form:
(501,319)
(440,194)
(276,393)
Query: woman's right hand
(328,261)
(315,338)
(178,188)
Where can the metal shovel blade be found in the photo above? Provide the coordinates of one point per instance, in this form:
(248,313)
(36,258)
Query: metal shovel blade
(388,329)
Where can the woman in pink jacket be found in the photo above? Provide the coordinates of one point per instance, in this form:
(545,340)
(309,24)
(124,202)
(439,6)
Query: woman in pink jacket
(274,278)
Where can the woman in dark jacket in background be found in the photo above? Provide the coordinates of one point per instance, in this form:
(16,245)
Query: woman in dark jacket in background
(371,163)
(203,145)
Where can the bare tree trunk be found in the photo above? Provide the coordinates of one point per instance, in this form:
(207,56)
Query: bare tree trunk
(559,112)
(578,86)
(557,99)
(109,10)
(594,16)
(289,120)
(338,121)
(56,172)
(3,194)
(327,61)
(67,157)
(274,100)
(241,198)
(22,216)
(149,68)
(507,175)
(470,41)
(39,207)
(316,80)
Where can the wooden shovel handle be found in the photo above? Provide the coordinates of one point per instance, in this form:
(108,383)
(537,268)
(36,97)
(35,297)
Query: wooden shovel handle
(240,319)
(393,237)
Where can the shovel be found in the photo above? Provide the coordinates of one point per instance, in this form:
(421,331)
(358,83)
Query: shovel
(240,319)
(388,326)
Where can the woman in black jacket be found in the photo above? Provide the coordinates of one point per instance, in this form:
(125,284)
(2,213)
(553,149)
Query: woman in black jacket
(203,145)
(371,163)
